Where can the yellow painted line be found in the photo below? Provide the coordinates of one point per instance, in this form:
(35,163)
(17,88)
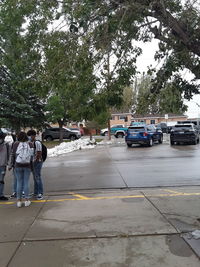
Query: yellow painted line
(79,196)
(6,203)
(172,191)
(82,198)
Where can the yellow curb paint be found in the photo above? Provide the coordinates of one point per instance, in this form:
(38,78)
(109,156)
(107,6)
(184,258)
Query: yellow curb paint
(172,191)
(6,203)
(81,198)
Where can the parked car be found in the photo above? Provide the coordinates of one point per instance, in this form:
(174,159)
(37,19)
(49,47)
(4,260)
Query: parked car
(76,130)
(104,132)
(118,130)
(195,122)
(184,133)
(143,135)
(54,133)
(163,127)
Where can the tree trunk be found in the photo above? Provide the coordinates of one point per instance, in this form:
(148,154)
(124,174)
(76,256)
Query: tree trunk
(90,135)
(109,134)
(61,131)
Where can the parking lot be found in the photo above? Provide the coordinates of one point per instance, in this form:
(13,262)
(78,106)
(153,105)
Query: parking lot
(116,166)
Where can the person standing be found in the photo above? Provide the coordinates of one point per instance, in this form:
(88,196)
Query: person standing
(21,158)
(38,136)
(37,165)
(4,157)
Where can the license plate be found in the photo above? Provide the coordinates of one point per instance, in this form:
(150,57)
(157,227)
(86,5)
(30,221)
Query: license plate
(133,134)
(181,132)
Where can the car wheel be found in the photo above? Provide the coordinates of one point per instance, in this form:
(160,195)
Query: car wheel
(72,137)
(105,134)
(49,138)
(119,135)
(129,145)
(160,140)
(150,142)
(171,142)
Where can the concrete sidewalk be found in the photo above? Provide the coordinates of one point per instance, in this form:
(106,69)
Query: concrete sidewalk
(150,227)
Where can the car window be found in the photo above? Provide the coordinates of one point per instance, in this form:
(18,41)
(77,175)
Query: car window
(67,129)
(150,128)
(117,126)
(54,129)
(183,127)
(136,129)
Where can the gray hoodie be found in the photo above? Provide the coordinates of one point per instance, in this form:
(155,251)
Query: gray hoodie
(4,154)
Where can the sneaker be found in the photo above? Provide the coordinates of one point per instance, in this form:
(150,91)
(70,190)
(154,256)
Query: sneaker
(3,198)
(27,203)
(19,204)
(14,195)
(40,197)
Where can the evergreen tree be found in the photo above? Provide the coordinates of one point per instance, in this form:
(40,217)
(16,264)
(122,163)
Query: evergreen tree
(22,24)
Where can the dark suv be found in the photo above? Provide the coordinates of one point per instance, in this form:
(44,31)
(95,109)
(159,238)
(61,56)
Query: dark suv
(143,135)
(54,133)
(184,133)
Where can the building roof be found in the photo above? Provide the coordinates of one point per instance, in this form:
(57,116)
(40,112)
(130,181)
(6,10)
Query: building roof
(121,113)
(139,116)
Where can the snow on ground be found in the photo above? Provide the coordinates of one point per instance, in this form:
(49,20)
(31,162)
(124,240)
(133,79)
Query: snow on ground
(67,147)
(82,143)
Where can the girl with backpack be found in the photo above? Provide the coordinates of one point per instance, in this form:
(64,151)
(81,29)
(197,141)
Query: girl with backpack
(21,159)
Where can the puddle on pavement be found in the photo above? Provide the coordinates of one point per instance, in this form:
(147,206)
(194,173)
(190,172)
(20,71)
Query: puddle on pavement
(177,246)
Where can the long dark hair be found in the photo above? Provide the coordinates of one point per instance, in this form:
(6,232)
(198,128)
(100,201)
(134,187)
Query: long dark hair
(22,137)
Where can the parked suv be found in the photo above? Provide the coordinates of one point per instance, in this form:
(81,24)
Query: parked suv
(54,133)
(143,135)
(117,130)
(184,133)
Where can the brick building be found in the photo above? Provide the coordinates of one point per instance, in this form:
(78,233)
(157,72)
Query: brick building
(126,118)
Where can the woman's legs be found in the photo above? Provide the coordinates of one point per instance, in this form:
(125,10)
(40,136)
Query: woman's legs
(22,175)
(26,176)
(19,177)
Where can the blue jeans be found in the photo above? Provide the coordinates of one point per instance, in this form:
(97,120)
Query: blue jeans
(2,175)
(15,182)
(38,185)
(22,174)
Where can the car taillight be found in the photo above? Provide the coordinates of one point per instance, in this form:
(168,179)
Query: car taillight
(145,134)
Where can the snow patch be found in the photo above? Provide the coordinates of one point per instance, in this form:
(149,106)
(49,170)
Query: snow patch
(196,234)
(67,147)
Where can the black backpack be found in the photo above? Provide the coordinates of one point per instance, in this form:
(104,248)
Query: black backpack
(44,151)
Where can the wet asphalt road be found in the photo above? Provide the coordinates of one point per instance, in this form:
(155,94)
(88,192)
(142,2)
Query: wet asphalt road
(117,166)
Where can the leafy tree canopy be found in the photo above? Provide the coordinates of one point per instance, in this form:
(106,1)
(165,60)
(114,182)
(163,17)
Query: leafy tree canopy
(175,23)
(168,100)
